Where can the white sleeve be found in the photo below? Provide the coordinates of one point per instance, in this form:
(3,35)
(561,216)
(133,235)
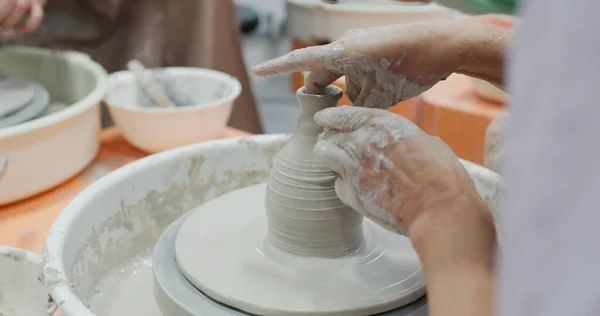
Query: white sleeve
(550,261)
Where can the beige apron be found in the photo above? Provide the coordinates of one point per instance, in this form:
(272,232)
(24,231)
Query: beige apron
(159,33)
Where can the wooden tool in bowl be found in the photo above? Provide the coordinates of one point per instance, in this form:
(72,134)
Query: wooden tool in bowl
(151,88)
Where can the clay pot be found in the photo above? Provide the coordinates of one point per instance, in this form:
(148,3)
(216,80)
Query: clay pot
(305,215)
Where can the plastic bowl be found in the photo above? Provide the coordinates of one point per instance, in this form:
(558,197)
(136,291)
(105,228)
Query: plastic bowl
(209,93)
(50,149)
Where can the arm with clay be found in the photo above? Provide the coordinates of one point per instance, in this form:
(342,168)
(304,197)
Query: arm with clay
(385,65)
(457,258)
(407,181)
(492,35)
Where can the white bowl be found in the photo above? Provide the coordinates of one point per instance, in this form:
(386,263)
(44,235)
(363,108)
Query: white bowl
(113,223)
(154,129)
(46,151)
(22,284)
(314,20)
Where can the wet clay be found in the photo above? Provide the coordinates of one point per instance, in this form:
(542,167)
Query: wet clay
(306,217)
(291,247)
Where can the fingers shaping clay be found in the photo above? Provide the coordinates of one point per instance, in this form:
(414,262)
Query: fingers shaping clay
(291,247)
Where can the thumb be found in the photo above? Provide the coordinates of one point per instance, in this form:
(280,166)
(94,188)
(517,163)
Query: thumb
(334,158)
(345,118)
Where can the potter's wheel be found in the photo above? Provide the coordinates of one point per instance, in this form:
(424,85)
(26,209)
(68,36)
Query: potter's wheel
(289,246)
(21,100)
(310,286)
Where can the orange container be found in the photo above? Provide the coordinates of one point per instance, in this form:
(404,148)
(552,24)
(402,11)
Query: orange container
(454,112)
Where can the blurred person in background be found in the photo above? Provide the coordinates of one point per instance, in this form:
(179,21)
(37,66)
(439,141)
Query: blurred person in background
(159,33)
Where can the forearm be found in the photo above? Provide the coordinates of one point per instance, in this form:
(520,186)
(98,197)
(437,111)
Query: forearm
(456,247)
(484,47)
(463,291)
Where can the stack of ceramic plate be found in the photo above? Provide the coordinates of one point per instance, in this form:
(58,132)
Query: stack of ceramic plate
(21,100)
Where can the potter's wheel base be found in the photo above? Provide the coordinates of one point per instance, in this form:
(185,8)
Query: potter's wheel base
(177,297)
(239,267)
(174,295)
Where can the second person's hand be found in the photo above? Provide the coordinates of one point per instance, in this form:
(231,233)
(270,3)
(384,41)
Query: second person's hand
(20,16)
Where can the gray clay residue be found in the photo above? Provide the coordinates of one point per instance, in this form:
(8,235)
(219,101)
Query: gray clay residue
(143,222)
(17,255)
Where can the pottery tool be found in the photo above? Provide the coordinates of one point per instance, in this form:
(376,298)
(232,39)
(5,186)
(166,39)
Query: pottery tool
(149,86)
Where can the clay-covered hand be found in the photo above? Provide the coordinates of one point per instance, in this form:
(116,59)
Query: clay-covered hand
(382,65)
(20,16)
(385,65)
(390,170)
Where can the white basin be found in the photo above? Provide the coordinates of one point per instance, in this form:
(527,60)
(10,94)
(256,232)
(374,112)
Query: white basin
(110,227)
(48,150)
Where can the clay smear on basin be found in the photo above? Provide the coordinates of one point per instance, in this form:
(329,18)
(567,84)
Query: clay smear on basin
(111,270)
